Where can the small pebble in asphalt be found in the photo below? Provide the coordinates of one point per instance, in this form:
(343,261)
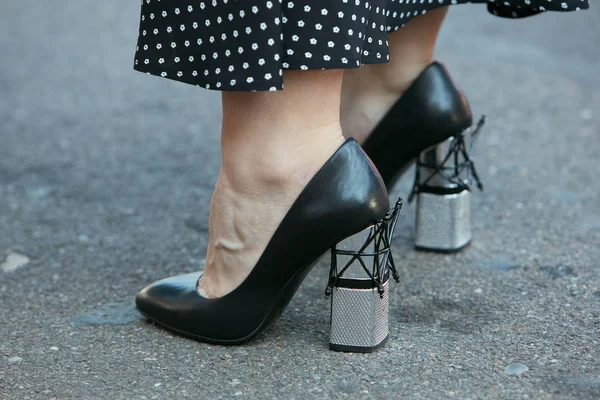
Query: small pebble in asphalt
(54,348)
(585,114)
(516,369)
(15,360)
(13,261)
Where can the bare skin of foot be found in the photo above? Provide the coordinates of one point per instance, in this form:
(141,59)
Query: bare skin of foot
(272,144)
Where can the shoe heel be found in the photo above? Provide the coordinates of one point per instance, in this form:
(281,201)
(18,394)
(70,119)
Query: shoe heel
(443,221)
(361,266)
(443,191)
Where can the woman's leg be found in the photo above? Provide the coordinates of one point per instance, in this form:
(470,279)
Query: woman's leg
(272,145)
(370,91)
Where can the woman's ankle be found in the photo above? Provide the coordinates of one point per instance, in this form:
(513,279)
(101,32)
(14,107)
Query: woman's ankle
(280,164)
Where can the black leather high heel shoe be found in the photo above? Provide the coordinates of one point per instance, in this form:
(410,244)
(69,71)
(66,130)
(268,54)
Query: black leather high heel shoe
(346,196)
(433,124)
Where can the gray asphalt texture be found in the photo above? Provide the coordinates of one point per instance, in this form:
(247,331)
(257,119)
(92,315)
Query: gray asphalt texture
(105,179)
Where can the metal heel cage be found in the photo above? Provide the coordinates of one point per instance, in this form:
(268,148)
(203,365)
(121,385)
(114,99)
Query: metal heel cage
(374,256)
(456,168)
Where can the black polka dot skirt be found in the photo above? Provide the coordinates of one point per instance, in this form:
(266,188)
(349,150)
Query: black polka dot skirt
(245,45)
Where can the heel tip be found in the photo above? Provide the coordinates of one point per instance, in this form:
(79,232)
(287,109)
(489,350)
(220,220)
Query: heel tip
(357,349)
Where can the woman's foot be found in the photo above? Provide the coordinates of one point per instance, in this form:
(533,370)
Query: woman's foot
(273,143)
(344,197)
(248,205)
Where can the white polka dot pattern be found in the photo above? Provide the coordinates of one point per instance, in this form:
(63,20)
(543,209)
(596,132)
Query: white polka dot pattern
(245,45)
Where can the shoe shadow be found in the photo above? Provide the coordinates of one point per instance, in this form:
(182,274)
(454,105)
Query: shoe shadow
(464,316)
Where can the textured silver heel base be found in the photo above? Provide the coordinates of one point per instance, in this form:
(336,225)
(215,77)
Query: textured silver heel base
(443,221)
(359,317)
(443,180)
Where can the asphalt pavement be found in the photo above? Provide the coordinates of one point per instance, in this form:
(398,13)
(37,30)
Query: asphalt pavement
(105,179)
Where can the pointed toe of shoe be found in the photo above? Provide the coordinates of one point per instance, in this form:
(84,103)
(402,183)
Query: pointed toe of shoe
(175,304)
(163,301)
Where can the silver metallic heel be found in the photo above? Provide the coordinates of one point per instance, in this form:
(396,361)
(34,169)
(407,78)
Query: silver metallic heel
(443,191)
(358,287)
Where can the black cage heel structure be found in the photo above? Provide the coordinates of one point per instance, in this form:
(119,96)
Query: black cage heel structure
(346,196)
(443,189)
(358,287)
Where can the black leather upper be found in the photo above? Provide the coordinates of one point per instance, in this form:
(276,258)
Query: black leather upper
(344,197)
(430,111)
